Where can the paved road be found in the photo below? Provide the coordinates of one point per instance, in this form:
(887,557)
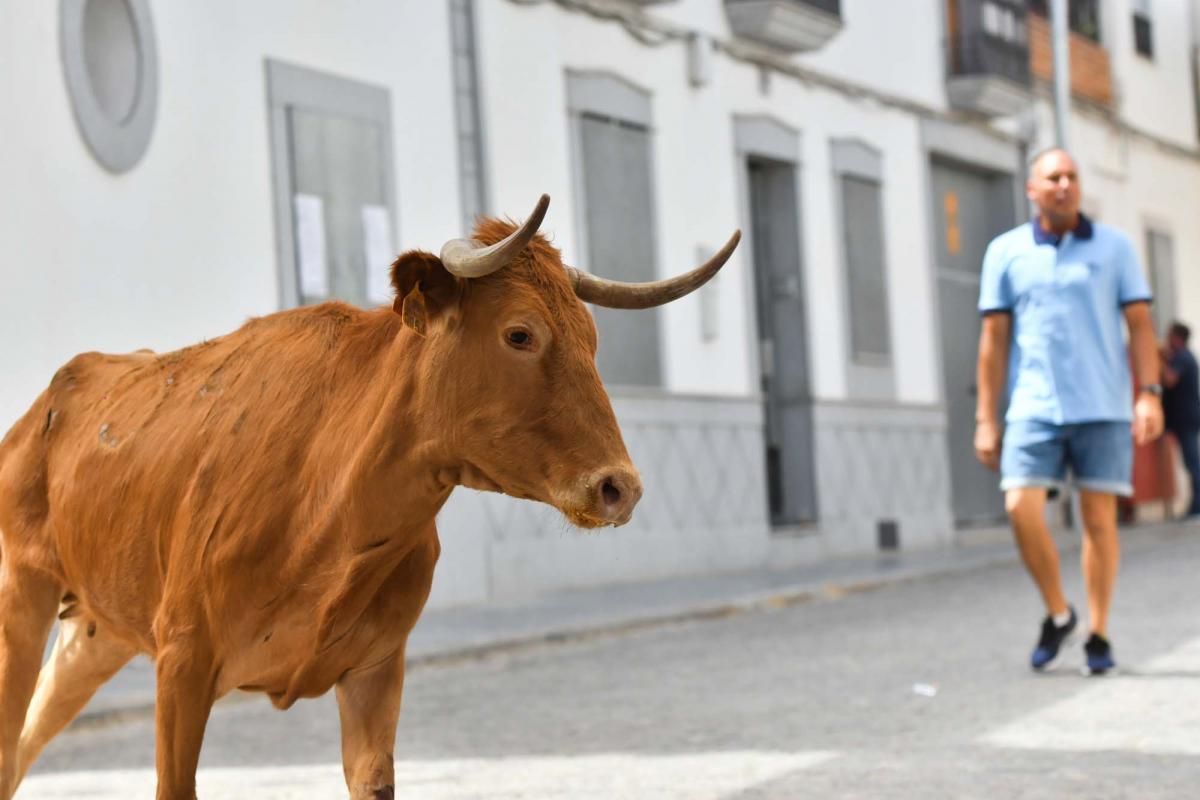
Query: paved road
(913,690)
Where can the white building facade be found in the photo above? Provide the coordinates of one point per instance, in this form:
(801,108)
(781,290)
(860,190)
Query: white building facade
(176,168)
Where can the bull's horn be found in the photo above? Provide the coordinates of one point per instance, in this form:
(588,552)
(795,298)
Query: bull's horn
(615,294)
(467,258)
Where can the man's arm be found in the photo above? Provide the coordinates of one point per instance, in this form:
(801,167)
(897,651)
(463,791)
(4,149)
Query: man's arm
(1148,413)
(989,378)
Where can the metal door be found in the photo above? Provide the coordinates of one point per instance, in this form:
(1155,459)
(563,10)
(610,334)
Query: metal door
(969,209)
(775,214)
(1160,252)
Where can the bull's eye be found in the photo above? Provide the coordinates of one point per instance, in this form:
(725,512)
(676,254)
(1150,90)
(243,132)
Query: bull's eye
(519,338)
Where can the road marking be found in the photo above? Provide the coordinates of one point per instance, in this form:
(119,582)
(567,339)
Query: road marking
(693,776)
(1152,708)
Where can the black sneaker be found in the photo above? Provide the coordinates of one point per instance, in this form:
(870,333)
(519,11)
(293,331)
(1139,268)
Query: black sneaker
(1051,640)
(1099,655)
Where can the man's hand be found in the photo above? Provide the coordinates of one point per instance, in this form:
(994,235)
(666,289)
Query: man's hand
(1147,419)
(987,443)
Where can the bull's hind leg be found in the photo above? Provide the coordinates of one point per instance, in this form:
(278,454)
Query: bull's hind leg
(28,600)
(84,658)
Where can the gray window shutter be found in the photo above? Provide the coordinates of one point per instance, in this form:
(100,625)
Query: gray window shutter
(862,216)
(611,122)
(617,192)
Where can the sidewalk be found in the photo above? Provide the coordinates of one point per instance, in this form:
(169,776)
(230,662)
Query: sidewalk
(444,635)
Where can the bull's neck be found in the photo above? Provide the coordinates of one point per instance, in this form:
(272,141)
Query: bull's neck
(390,480)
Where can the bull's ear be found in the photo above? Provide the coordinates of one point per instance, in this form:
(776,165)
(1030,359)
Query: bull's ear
(424,289)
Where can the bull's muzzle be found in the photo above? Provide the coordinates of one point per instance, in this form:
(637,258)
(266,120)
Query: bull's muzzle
(612,494)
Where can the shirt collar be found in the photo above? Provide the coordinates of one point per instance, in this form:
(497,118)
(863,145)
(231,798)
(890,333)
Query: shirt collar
(1082,230)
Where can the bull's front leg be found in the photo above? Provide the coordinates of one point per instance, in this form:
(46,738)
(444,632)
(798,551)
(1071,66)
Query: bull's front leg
(369,707)
(186,675)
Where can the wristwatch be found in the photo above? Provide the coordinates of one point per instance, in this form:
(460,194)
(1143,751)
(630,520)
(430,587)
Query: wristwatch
(1153,388)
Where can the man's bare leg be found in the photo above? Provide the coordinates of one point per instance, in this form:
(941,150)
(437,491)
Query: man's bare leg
(1026,508)
(1101,555)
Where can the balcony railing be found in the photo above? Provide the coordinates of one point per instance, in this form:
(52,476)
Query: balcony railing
(988,71)
(981,54)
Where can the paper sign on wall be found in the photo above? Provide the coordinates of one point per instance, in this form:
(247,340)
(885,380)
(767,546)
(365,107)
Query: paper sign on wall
(379,252)
(310,245)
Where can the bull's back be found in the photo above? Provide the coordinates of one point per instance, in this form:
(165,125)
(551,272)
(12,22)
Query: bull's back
(151,472)
(74,481)
(100,471)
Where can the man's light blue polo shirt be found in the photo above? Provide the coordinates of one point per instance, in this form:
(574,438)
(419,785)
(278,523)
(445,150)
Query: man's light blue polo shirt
(1067,361)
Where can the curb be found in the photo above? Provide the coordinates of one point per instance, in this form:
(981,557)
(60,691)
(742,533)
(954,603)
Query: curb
(777,598)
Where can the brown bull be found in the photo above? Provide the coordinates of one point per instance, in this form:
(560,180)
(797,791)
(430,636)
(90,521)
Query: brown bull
(257,512)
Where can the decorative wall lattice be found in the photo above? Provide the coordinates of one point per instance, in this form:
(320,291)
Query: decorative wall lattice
(877,462)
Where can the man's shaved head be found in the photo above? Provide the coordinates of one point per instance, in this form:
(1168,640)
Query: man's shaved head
(1053,186)
(1036,160)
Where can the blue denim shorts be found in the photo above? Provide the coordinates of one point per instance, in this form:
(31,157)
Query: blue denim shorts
(1099,455)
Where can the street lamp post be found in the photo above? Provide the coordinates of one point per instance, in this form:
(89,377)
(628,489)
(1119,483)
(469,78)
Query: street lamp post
(1059,39)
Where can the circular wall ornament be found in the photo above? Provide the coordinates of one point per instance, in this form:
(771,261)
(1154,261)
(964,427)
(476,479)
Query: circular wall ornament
(111,68)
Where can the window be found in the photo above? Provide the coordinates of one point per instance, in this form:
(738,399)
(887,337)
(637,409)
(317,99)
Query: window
(862,221)
(1004,22)
(333,179)
(111,68)
(858,172)
(1083,16)
(614,176)
(1143,35)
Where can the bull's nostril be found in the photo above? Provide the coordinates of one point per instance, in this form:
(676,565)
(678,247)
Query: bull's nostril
(612,495)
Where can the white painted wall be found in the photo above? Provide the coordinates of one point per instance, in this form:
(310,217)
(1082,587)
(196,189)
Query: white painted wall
(904,37)
(183,246)
(696,185)
(529,149)
(1154,94)
(896,46)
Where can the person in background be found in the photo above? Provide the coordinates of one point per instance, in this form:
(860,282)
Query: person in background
(1053,294)
(1181,405)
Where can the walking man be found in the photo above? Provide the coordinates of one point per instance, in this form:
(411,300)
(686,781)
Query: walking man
(1053,293)
(1181,405)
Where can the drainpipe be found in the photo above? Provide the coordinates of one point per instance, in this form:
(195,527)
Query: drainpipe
(1059,40)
